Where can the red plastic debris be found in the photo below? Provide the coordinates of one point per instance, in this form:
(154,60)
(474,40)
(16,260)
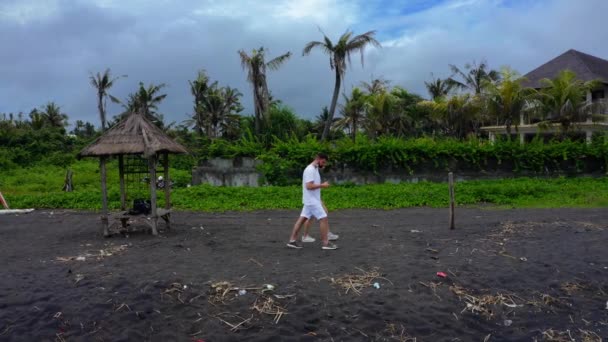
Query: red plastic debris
(442,275)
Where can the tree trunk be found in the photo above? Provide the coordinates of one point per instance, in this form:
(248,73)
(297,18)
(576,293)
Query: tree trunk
(102,114)
(332,108)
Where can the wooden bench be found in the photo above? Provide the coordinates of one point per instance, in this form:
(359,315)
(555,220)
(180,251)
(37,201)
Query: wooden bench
(127,219)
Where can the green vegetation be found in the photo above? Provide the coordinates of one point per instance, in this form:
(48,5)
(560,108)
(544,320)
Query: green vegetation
(377,128)
(40,187)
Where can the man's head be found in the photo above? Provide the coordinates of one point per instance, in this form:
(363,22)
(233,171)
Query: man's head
(321,159)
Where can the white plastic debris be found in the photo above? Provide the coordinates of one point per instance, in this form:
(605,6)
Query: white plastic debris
(523,259)
(81,258)
(508,322)
(242,292)
(414,231)
(269,287)
(377,285)
(607,305)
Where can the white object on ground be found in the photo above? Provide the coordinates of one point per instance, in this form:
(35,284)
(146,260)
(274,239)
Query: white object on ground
(414,231)
(15,211)
(242,292)
(81,258)
(377,285)
(269,287)
(508,322)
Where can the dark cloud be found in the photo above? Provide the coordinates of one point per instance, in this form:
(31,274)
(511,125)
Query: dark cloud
(49,56)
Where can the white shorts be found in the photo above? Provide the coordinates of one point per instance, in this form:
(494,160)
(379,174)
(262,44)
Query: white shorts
(314,210)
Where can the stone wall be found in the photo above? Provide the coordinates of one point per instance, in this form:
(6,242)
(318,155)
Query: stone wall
(243,172)
(227,172)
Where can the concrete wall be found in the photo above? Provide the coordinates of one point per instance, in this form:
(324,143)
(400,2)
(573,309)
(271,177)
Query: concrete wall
(242,172)
(227,172)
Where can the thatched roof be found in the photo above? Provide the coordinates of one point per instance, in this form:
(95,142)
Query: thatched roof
(135,134)
(586,68)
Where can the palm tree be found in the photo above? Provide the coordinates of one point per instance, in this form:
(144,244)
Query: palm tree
(339,54)
(353,112)
(438,88)
(103,82)
(256,65)
(507,101)
(376,86)
(199,89)
(564,98)
(148,99)
(473,77)
(36,119)
(52,115)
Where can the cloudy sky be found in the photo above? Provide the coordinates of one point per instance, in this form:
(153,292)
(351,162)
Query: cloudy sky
(48,48)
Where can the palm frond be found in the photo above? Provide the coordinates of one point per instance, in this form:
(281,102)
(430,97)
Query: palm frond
(275,63)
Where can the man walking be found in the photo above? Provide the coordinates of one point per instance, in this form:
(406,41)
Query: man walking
(313,207)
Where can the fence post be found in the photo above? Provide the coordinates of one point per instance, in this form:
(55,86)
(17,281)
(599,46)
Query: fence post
(451,187)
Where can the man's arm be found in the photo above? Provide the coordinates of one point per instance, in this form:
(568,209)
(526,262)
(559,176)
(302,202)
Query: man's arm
(312,186)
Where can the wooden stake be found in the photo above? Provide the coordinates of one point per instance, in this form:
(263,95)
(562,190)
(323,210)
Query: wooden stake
(167,182)
(152,168)
(451,186)
(67,183)
(104,196)
(121,175)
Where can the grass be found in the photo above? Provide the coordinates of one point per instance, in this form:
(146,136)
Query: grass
(40,187)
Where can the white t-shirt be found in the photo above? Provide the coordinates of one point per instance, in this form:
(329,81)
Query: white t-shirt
(311,197)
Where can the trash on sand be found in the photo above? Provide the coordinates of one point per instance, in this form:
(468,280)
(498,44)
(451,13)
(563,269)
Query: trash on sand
(442,275)
(269,287)
(81,258)
(523,259)
(414,231)
(242,292)
(376,285)
(508,322)
(78,278)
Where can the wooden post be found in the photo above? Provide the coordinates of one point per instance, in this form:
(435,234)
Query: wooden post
(451,186)
(121,175)
(67,183)
(167,182)
(152,168)
(104,195)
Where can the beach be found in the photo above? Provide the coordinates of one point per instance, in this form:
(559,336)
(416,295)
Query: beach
(504,275)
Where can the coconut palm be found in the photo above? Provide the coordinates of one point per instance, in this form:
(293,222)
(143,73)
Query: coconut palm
(53,117)
(507,101)
(438,87)
(473,77)
(339,53)
(376,86)
(353,112)
(102,82)
(564,98)
(36,119)
(256,65)
(199,89)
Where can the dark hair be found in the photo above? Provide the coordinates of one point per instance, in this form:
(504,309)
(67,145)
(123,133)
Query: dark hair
(322,155)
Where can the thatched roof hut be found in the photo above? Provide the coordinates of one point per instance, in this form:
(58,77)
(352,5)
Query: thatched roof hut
(134,135)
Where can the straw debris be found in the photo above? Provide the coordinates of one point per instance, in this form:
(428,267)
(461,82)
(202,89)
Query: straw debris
(481,305)
(357,282)
(268,306)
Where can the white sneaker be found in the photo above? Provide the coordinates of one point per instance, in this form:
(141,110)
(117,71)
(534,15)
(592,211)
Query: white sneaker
(308,238)
(332,237)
